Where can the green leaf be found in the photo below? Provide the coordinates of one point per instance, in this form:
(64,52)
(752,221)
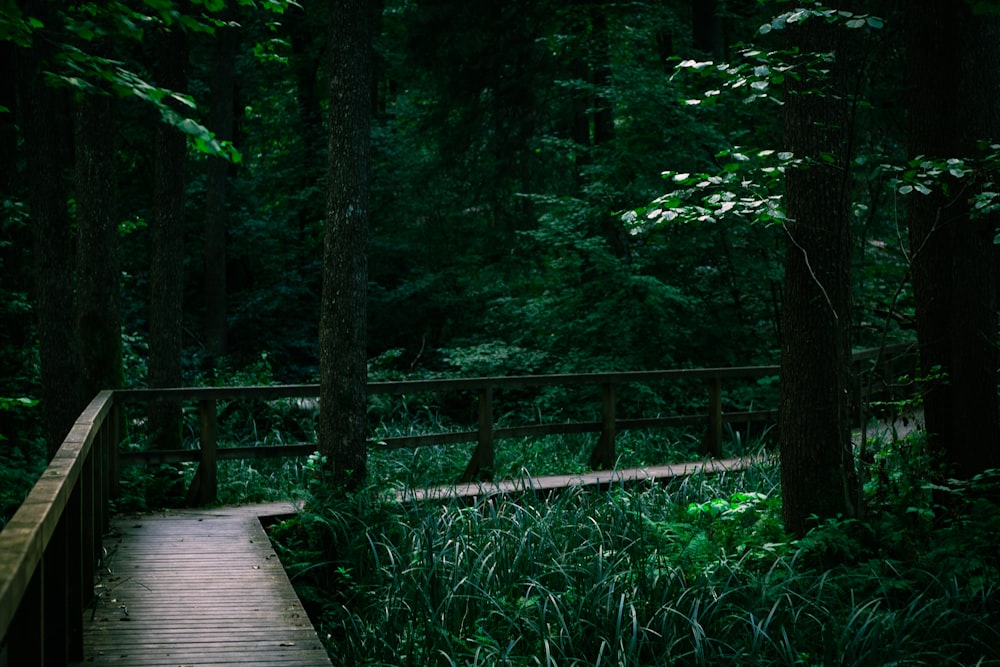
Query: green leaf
(21,401)
(875,22)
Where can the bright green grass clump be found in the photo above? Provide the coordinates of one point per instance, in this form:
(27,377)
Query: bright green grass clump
(697,572)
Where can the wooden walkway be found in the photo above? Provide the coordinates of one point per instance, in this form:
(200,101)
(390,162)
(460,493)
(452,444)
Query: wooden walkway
(598,479)
(193,588)
(204,587)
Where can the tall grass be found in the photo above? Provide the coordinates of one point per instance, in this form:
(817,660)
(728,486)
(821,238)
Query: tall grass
(694,572)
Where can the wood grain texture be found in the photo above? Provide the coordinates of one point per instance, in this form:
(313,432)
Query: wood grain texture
(197,588)
(599,479)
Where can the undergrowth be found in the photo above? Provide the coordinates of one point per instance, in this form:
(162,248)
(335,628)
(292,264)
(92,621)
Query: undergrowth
(698,571)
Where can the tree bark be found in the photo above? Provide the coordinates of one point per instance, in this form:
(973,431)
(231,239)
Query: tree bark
(306,32)
(98,301)
(342,427)
(166,274)
(706,28)
(221,123)
(8,126)
(817,466)
(47,133)
(954,72)
(16,330)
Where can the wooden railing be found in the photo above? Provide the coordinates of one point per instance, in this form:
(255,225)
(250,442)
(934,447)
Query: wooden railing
(50,547)
(203,487)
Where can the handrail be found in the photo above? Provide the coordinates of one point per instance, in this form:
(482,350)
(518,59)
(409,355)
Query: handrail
(50,548)
(203,488)
(268,392)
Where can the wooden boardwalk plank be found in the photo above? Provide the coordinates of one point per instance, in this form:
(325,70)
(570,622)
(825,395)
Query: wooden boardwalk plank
(599,478)
(198,588)
(204,587)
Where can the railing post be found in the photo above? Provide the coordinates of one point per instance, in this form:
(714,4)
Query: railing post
(55,596)
(91,511)
(81,550)
(99,483)
(481,464)
(114,427)
(712,445)
(603,455)
(26,636)
(208,488)
(890,378)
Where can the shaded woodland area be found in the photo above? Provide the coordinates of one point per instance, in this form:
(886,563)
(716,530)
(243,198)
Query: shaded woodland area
(208,193)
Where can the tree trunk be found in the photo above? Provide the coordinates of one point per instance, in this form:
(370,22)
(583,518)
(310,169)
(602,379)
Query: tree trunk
(306,40)
(98,301)
(17,334)
(342,427)
(817,465)
(221,123)
(47,133)
(954,71)
(166,274)
(706,28)
(8,126)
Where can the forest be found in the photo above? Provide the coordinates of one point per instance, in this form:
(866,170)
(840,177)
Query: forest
(254,192)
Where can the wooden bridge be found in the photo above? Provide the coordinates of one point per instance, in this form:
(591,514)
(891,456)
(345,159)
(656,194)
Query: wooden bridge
(203,586)
(197,587)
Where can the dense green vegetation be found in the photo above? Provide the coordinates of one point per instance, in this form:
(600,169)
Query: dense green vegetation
(698,571)
(554,187)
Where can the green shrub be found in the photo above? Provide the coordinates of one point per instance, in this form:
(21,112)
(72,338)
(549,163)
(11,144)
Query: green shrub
(696,571)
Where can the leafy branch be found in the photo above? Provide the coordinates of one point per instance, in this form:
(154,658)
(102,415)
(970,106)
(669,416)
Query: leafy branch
(76,65)
(748,187)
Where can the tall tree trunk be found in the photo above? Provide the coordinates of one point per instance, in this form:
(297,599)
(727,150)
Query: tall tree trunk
(47,132)
(817,465)
(604,120)
(8,125)
(16,330)
(342,425)
(221,123)
(166,274)
(706,28)
(604,112)
(306,38)
(98,301)
(954,71)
